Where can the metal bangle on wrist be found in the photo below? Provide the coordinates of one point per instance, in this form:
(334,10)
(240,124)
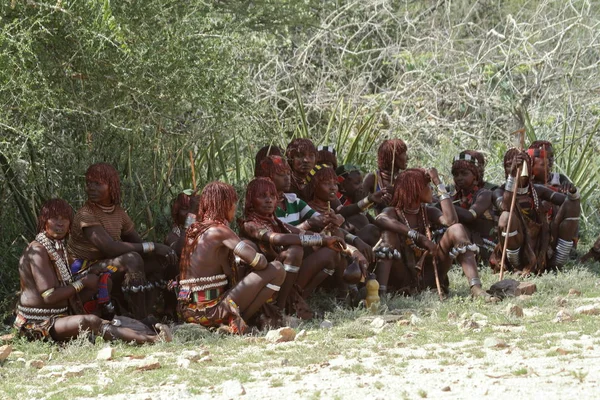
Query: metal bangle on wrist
(365,203)
(189,220)
(311,240)
(148,247)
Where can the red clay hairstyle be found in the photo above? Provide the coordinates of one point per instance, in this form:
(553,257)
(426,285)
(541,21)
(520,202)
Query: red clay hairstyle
(106,173)
(262,154)
(216,200)
(299,146)
(471,160)
(54,208)
(408,187)
(320,173)
(256,187)
(273,165)
(385,153)
(182,201)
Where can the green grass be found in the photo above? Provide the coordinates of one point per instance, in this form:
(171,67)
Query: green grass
(436,337)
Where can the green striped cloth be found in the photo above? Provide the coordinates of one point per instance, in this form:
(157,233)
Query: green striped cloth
(296,210)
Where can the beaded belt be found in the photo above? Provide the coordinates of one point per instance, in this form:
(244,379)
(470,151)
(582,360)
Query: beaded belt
(40,314)
(204,279)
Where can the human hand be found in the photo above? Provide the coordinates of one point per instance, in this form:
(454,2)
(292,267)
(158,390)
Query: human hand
(90,281)
(365,250)
(334,243)
(430,246)
(383,196)
(433,175)
(163,250)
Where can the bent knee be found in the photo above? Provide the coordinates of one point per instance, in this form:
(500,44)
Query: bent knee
(277,271)
(131,261)
(90,322)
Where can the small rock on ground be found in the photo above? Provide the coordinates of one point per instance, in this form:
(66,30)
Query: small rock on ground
(37,364)
(106,354)
(5,352)
(493,342)
(514,310)
(574,292)
(233,389)
(592,309)
(285,334)
(326,324)
(563,316)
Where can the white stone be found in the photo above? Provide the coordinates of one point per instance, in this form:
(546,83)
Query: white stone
(106,354)
(592,309)
(183,363)
(493,342)
(233,389)
(562,316)
(192,355)
(285,334)
(414,320)
(377,323)
(326,324)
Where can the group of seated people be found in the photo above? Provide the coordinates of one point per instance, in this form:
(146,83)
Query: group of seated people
(307,223)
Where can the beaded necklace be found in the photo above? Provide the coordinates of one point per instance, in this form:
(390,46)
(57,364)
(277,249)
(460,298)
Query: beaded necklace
(466,200)
(412,243)
(59,259)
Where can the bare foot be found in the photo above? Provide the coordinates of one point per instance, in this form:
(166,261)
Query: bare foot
(478,292)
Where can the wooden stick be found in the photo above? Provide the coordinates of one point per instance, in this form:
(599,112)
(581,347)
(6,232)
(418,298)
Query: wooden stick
(546,170)
(435,266)
(193,170)
(512,209)
(521,133)
(393,162)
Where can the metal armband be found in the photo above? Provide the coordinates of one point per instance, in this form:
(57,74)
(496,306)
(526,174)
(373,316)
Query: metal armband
(237,250)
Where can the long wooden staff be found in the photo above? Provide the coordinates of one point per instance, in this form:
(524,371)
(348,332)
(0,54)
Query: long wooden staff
(435,266)
(512,206)
(392,169)
(193,170)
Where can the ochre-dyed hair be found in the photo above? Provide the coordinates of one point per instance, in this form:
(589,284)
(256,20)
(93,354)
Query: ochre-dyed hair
(106,173)
(544,147)
(273,165)
(408,186)
(262,154)
(322,173)
(182,201)
(476,168)
(326,156)
(256,187)
(508,157)
(216,200)
(385,153)
(298,147)
(54,208)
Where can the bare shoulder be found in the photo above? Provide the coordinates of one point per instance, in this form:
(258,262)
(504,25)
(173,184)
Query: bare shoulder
(390,212)
(220,232)
(433,212)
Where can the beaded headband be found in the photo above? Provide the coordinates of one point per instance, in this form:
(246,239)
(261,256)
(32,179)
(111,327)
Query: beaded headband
(466,157)
(327,148)
(538,153)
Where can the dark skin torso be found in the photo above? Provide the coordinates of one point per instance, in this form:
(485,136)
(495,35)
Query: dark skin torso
(37,275)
